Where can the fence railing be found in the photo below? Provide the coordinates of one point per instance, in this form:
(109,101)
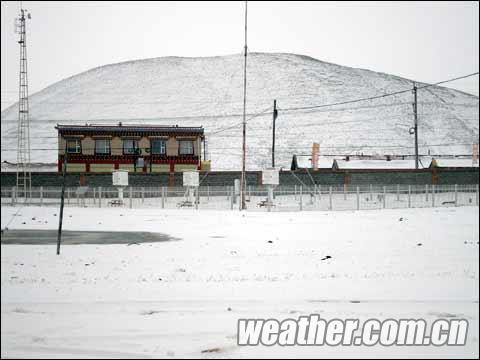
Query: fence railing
(285,198)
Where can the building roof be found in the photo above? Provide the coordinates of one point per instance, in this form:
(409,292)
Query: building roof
(453,162)
(143,129)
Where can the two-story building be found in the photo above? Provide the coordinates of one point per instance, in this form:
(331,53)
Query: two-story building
(136,148)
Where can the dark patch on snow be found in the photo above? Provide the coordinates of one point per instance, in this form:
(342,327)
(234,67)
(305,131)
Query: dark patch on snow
(44,237)
(212,350)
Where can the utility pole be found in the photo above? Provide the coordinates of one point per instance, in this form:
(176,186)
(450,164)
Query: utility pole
(24,175)
(275,114)
(60,220)
(416,123)
(243,178)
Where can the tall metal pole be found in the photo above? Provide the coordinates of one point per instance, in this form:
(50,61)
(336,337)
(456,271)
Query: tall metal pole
(416,123)
(60,219)
(243,178)
(24,177)
(275,113)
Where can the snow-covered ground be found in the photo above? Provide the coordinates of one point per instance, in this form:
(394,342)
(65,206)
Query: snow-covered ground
(179,298)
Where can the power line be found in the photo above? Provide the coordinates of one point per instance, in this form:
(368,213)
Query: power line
(375,97)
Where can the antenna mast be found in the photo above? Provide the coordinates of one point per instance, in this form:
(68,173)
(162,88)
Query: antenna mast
(24,176)
(243,178)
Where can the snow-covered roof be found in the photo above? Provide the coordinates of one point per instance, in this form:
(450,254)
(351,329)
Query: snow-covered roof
(381,164)
(305,162)
(455,162)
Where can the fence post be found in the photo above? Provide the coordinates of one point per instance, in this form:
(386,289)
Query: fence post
(456,195)
(232,194)
(398,192)
(41,195)
(344,191)
(13,195)
(99,196)
(330,198)
(384,196)
(301,197)
(130,196)
(143,194)
(208,192)
(76,195)
(433,195)
(68,196)
(197,197)
(358,198)
(476,196)
(163,196)
(371,192)
(319,191)
(426,192)
(409,195)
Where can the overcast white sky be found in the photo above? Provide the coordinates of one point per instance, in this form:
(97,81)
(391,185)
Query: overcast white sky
(424,41)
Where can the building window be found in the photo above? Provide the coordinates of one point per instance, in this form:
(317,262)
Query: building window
(102,146)
(186,147)
(74,146)
(130,146)
(159,147)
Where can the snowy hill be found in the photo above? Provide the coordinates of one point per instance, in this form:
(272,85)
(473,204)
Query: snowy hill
(208,92)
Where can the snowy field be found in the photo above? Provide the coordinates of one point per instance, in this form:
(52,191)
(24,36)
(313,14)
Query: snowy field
(183,298)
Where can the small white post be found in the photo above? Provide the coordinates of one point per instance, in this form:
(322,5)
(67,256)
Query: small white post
(319,191)
(295,193)
(371,192)
(130,196)
(163,197)
(344,191)
(456,195)
(41,195)
(433,195)
(208,193)
(384,197)
(143,195)
(232,194)
(398,192)
(301,197)
(68,196)
(270,197)
(358,198)
(409,196)
(94,196)
(99,196)
(13,195)
(330,198)
(476,195)
(426,192)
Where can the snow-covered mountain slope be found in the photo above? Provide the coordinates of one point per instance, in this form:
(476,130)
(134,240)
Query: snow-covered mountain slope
(209,92)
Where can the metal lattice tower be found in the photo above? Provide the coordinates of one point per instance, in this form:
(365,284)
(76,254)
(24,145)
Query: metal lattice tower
(24,176)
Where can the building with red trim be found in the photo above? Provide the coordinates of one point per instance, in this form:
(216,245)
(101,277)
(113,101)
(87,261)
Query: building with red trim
(136,148)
